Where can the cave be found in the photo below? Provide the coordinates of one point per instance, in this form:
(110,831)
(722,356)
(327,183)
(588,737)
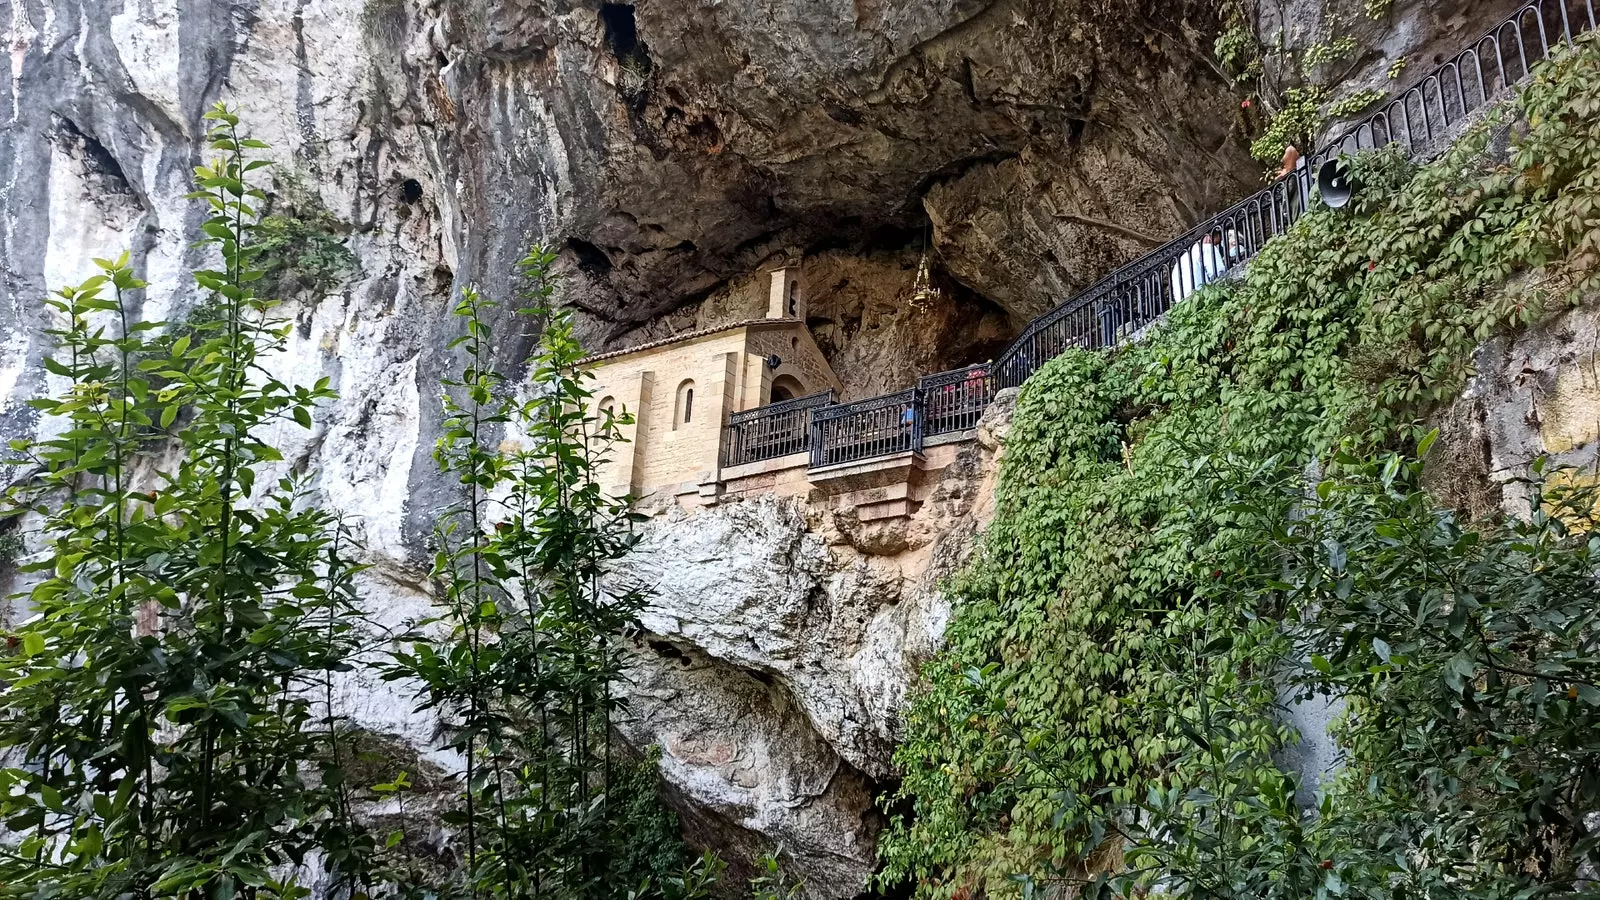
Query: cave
(591,259)
(622,30)
(98,162)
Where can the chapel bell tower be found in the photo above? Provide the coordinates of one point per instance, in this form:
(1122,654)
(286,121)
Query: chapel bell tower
(787,299)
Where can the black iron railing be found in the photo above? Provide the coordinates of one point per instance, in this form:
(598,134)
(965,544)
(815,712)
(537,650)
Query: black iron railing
(1422,120)
(955,401)
(881,426)
(768,432)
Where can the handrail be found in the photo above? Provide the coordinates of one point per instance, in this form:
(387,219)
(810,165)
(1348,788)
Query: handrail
(955,401)
(878,426)
(768,432)
(1118,307)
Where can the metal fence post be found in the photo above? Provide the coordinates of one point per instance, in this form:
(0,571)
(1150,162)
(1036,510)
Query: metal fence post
(918,410)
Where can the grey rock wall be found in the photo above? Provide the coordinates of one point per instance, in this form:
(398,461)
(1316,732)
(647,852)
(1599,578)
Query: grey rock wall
(668,148)
(1393,51)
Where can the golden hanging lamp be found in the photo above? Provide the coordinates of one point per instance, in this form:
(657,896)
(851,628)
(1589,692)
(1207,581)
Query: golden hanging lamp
(923,291)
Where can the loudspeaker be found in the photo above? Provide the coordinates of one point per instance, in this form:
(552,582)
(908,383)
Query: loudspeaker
(1336,184)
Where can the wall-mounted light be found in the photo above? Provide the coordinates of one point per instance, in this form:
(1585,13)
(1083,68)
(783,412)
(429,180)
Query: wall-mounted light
(774,361)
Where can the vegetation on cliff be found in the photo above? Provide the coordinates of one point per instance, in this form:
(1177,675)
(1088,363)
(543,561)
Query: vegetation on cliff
(172,723)
(1294,88)
(1226,515)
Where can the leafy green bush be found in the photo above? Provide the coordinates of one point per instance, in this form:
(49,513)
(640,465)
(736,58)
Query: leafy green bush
(1465,659)
(1296,122)
(1236,47)
(773,883)
(168,712)
(303,250)
(1105,623)
(169,722)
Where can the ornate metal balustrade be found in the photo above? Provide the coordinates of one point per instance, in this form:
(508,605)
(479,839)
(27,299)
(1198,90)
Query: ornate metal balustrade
(768,432)
(1422,120)
(881,426)
(955,401)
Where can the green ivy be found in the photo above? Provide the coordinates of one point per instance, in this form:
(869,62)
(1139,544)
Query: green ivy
(1296,122)
(1236,46)
(1355,103)
(1136,485)
(1467,659)
(303,250)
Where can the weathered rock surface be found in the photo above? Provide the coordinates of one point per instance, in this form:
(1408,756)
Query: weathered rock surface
(781,640)
(669,148)
(1534,395)
(747,129)
(1392,52)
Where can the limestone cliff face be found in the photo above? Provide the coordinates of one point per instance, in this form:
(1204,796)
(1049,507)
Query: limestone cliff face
(668,148)
(1534,395)
(781,639)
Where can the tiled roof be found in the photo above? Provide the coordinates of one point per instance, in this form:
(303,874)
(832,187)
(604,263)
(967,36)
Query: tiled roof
(677,338)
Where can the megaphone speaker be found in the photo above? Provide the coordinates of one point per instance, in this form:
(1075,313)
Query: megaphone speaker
(1336,184)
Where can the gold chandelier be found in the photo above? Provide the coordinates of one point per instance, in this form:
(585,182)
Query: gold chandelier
(923,291)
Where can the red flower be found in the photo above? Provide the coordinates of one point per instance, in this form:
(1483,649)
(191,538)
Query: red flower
(1327,864)
(1245,105)
(1372,266)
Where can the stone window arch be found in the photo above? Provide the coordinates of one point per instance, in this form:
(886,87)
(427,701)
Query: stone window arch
(786,387)
(606,406)
(684,412)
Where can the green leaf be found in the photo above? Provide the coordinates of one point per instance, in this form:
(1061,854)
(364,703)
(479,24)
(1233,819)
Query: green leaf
(1381,648)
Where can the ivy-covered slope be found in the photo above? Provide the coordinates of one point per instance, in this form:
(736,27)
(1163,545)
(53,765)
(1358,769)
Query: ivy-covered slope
(1144,492)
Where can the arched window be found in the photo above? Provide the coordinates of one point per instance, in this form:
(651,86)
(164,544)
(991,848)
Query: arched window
(607,406)
(685,411)
(794,298)
(786,387)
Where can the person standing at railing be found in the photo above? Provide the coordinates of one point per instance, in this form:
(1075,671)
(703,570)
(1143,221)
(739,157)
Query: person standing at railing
(1296,190)
(1200,266)
(964,398)
(974,383)
(1291,160)
(1232,247)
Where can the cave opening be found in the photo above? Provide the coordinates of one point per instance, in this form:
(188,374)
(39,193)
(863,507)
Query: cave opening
(622,29)
(591,259)
(411,190)
(97,161)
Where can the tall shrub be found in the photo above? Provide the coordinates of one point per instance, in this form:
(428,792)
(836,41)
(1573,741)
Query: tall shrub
(167,719)
(525,653)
